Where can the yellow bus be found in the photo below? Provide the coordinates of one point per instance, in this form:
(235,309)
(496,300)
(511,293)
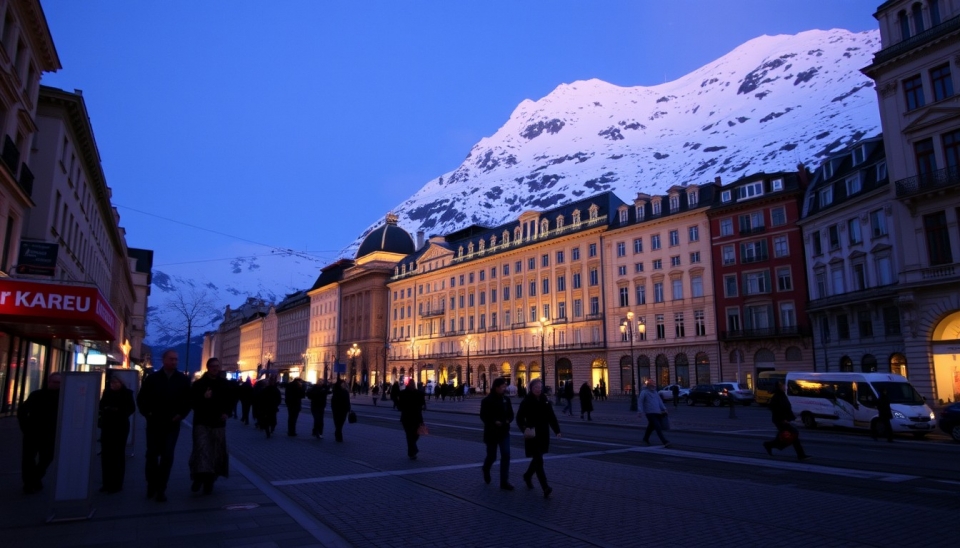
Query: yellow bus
(766,384)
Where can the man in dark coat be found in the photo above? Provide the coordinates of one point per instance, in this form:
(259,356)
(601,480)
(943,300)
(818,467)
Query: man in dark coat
(496,412)
(211,399)
(782,414)
(536,413)
(568,395)
(164,400)
(884,416)
(340,406)
(412,404)
(395,393)
(246,398)
(38,422)
(294,399)
(267,403)
(586,401)
(116,406)
(318,403)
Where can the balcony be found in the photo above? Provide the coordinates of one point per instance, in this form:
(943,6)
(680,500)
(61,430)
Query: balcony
(431,313)
(937,180)
(755,258)
(752,230)
(933,274)
(595,316)
(766,333)
(944,28)
(853,297)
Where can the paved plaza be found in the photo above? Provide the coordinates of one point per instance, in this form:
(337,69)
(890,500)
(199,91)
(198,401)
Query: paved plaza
(608,490)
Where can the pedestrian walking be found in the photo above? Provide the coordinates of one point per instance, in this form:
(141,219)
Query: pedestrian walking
(164,400)
(258,388)
(395,393)
(234,385)
(536,414)
(294,399)
(603,389)
(318,403)
(568,395)
(652,406)
(884,416)
(268,405)
(496,413)
(787,434)
(246,399)
(586,401)
(340,406)
(675,390)
(211,400)
(412,404)
(116,406)
(38,417)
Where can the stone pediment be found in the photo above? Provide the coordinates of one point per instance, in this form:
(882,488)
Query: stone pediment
(435,251)
(932,116)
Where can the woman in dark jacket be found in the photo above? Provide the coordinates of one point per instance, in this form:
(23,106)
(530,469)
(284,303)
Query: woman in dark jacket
(211,399)
(537,413)
(340,406)
(116,406)
(782,414)
(412,403)
(586,401)
(267,405)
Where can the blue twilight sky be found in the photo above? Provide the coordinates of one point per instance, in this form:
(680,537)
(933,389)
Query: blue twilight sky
(298,123)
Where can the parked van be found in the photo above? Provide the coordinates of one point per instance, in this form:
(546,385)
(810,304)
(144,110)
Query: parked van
(850,400)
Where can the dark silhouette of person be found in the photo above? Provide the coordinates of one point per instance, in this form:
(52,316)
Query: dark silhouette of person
(294,399)
(395,393)
(884,415)
(782,414)
(412,404)
(268,404)
(164,400)
(675,390)
(246,399)
(496,413)
(116,406)
(340,407)
(38,417)
(568,395)
(536,413)
(211,400)
(318,403)
(586,401)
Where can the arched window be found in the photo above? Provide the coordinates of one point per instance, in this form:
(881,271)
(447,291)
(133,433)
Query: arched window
(506,237)
(868,364)
(663,371)
(470,248)
(517,234)
(483,245)
(703,368)
(682,370)
(904,22)
(576,217)
(643,369)
(764,355)
(898,364)
(544,227)
(846,364)
(794,354)
(493,240)
(933,6)
(559,221)
(626,374)
(917,17)
(736,357)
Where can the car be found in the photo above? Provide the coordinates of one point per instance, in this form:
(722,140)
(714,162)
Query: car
(950,421)
(737,392)
(667,393)
(708,394)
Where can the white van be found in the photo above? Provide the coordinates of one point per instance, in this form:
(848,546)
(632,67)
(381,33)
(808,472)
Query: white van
(850,400)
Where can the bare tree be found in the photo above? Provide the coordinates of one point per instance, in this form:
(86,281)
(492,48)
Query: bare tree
(191,305)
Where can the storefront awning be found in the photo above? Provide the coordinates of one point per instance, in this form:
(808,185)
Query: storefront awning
(46,310)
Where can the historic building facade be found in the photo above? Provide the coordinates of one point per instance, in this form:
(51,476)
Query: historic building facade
(293,327)
(659,292)
(522,300)
(324,336)
(849,236)
(916,74)
(759,275)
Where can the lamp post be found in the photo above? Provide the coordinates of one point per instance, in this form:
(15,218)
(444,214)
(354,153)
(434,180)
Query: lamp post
(413,356)
(352,353)
(383,381)
(467,342)
(627,329)
(543,323)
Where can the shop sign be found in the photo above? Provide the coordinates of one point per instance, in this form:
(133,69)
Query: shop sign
(56,305)
(38,258)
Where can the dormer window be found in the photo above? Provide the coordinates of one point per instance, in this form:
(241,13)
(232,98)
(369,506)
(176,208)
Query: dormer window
(576,217)
(470,248)
(725,196)
(623,215)
(859,154)
(776,184)
(827,169)
(404,268)
(693,197)
(460,252)
(483,246)
(544,227)
(396,272)
(641,211)
(826,196)
(506,237)
(881,171)
(853,184)
(656,206)
(559,222)
(594,210)
(517,234)
(674,203)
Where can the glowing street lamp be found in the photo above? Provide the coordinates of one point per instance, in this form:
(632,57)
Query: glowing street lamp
(466,343)
(542,331)
(352,353)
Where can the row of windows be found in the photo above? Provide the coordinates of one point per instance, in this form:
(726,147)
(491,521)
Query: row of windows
(659,327)
(656,205)
(916,15)
(863,321)
(841,279)
(757,283)
(753,222)
(853,183)
(693,235)
(878,227)
(657,264)
(941,87)
(759,317)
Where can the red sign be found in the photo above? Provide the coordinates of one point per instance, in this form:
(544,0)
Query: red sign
(56,310)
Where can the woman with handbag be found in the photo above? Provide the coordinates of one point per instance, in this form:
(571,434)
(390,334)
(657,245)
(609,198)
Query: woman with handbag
(536,418)
(411,404)
(787,433)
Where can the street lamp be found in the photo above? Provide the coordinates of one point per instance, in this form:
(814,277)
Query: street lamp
(543,323)
(352,353)
(627,329)
(467,342)
(413,357)
(383,381)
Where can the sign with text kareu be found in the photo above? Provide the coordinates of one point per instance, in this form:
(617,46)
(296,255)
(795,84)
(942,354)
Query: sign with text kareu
(56,310)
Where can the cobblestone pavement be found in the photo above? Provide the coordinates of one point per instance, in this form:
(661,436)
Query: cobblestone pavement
(365,492)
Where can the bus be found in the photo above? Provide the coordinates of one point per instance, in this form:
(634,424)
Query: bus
(766,384)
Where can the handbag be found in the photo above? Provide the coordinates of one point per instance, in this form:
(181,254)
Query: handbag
(351,417)
(529,433)
(422,430)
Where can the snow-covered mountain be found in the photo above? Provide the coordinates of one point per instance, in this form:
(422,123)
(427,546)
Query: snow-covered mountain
(770,104)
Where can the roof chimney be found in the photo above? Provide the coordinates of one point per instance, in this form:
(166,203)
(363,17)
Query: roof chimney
(419,240)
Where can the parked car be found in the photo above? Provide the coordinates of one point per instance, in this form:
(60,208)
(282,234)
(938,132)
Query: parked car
(950,421)
(737,392)
(667,393)
(708,394)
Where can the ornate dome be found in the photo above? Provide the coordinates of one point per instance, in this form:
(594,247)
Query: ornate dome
(389,237)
